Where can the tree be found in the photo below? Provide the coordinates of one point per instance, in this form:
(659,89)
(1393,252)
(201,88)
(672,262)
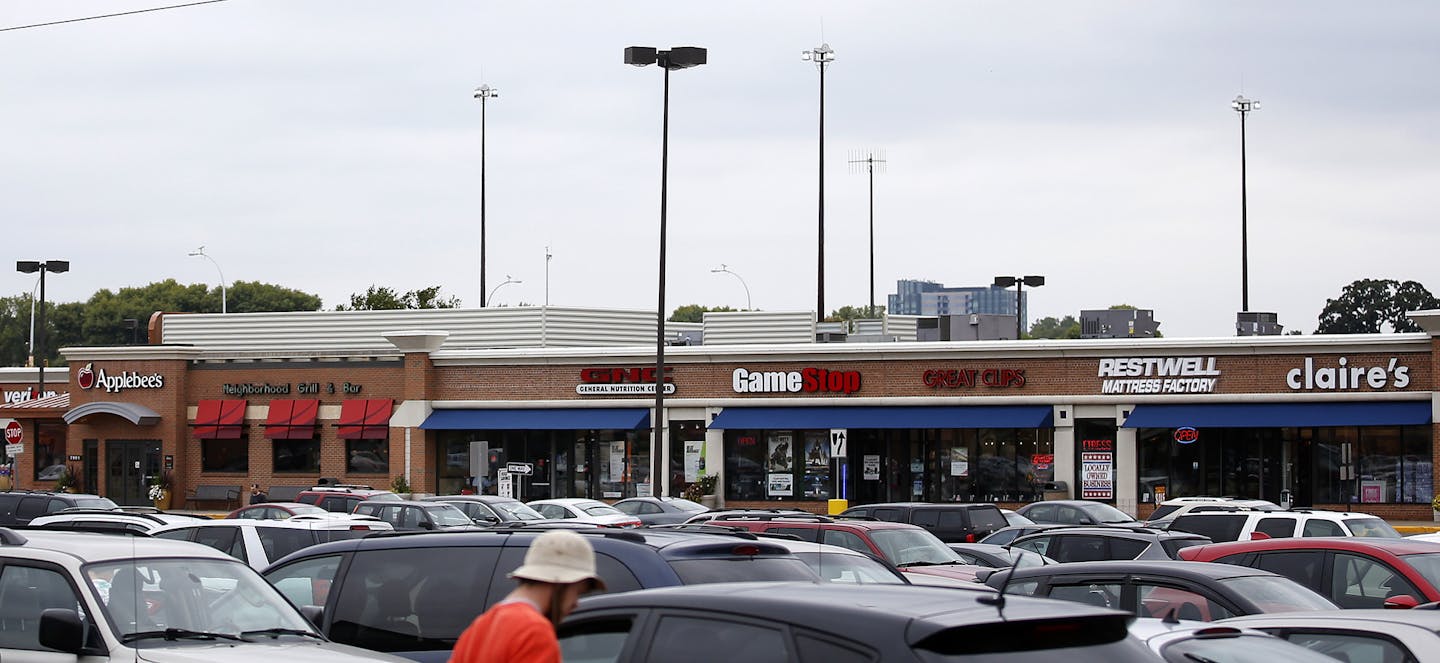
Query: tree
(852,313)
(257,297)
(388,299)
(696,312)
(1050,327)
(1367,305)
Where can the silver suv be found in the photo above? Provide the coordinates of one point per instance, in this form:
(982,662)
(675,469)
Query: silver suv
(68,596)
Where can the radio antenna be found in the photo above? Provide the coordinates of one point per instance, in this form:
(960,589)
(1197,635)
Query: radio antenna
(867,161)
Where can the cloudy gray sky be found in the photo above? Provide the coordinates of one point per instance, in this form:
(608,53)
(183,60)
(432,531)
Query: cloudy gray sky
(327,145)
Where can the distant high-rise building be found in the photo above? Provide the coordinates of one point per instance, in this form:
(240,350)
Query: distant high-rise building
(914,297)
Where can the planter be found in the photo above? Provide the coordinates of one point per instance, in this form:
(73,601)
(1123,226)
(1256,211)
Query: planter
(707,501)
(163,503)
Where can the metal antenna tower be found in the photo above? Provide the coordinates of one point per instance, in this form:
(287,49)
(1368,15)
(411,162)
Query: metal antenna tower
(867,161)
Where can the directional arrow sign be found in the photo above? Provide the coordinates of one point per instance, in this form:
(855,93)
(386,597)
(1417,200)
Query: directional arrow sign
(522,469)
(837,442)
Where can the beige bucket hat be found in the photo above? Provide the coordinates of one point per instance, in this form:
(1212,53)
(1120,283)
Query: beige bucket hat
(559,557)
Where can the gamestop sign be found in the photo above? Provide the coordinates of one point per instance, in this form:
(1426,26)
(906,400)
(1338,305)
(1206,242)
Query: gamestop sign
(805,380)
(88,378)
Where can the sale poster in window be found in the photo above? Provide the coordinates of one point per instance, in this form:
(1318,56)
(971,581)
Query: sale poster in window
(780,485)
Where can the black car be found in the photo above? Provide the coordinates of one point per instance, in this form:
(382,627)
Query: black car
(764,622)
(1004,535)
(660,510)
(490,509)
(1191,590)
(1093,544)
(18,507)
(951,523)
(1076,512)
(413,594)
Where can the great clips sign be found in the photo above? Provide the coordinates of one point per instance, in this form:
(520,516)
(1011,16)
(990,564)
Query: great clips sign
(624,381)
(803,381)
(88,378)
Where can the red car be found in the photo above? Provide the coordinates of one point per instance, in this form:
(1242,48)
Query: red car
(1353,572)
(276,511)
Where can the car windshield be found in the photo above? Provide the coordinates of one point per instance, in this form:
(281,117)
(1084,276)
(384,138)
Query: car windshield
(1012,519)
(1372,527)
(1024,559)
(95,503)
(448,516)
(913,547)
(600,509)
(1240,649)
(1164,510)
(851,569)
(741,569)
(1428,564)
(1104,513)
(684,504)
(516,510)
(145,597)
(1276,594)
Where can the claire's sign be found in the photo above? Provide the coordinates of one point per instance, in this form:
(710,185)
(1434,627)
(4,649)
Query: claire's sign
(1341,375)
(88,378)
(806,380)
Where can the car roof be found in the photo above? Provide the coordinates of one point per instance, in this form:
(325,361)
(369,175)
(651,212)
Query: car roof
(813,547)
(1428,619)
(1120,531)
(1171,568)
(1314,513)
(566,501)
(286,505)
(911,612)
(88,547)
(487,499)
(780,519)
(941,505)
(290,523)
(423,504)
(153,519)
(1352,543)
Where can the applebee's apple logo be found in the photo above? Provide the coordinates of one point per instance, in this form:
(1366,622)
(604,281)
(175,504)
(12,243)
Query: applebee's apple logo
(86,376)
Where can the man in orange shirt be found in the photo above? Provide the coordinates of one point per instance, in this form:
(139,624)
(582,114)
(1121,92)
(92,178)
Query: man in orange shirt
(559,567)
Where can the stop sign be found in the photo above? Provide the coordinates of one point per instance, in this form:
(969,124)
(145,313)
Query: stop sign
(14,432)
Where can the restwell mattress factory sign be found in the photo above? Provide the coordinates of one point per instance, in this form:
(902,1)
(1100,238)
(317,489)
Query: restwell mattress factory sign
(1159,375)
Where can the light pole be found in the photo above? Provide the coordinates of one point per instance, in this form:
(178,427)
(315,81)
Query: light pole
(726,270)
(508,281)
(201,252)
(483,93)
(1019,282)
(821,55)
(30,267)
(679,57)
(869,161)
(1243,106)
(34,294)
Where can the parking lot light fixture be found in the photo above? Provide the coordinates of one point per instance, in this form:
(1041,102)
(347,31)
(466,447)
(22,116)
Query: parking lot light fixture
(1019,282)
(32,267)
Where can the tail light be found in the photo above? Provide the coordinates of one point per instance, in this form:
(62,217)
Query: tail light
(969,538)
(359,527)
(746,550)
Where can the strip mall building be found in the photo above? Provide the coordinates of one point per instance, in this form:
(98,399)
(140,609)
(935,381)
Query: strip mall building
(449,398)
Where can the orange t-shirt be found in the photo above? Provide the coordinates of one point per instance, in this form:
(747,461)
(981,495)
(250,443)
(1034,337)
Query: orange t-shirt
(509,632)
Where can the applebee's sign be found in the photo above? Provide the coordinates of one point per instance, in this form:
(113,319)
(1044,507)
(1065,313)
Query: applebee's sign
(88,378)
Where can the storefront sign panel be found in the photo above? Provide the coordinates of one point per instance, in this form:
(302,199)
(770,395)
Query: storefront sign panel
(1158,375)
(1340,375)
(809,380)
(1097,475)
(88,378)
(22,395)
(964,378)
(626,381)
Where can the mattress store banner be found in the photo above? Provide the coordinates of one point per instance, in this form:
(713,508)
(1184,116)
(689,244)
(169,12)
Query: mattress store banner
(1159,375)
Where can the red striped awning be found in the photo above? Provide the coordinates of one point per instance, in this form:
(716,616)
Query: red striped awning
(365,419)
(219,420)
(292,420)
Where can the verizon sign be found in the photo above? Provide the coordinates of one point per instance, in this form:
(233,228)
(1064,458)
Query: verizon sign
(1159,375)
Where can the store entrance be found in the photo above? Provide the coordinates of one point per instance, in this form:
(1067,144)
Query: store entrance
(130,464)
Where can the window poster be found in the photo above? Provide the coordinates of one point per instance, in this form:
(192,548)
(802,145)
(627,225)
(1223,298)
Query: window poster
(817,453)
(782,456)
(1097,480)
(692,460)
(780,485)
(617,461)
(960,462)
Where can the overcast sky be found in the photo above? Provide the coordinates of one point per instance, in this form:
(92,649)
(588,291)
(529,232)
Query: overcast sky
(326,145)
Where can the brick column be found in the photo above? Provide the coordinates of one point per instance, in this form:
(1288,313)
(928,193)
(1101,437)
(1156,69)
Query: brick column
(412,450)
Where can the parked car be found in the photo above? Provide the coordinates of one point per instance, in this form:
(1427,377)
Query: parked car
(1192,591)
(276,511)
(261,542)
(414,594)
(998,557)
(911,548)
(836,564)
(1411,636)
(1004,535)
(1177,642)
(1089,544)
(1167,511)
(659,510)
(70,596)
(107,520)
(951,523)
(490,509)
(718,513)
(342,498)
(1243,526)
(411,516)
(830,622)
(1353,572)
(18,507)
(1075,512)
(583,510)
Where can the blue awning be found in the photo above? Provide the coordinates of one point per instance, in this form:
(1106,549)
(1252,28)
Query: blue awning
(1280,415)
(537,419)
(919,417)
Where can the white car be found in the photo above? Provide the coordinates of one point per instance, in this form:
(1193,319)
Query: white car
(260,543)
(1248,525)
(1356,635)
(100,520)
(584,511)
(1167,511)
(1176,641)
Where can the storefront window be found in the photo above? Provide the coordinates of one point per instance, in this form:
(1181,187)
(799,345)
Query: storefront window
(367,456)
(298,456)
(225,456)
(745,465)
(687,455)
(49,452)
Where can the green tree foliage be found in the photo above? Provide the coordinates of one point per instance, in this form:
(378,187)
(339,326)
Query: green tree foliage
(14,329)
(1367,305)
(696,312)
(388,299)
(1051,327)
(257,297)
(852,313)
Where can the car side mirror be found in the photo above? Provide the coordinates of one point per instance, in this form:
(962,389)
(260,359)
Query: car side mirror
(1087,521)
(425,524)
(315,614)
(1258,536)
(486,520)
(1401,602)
(981,575)
(61,629)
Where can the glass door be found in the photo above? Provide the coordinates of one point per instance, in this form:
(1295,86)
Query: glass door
(130,464)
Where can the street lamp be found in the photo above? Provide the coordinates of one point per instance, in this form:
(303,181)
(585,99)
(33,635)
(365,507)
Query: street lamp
(870,160)
(821,55)
(31,267)
(679,57)
(508,281)
(1019,282)
(1243,106)
(483,93)
(726,270)
(201,253)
